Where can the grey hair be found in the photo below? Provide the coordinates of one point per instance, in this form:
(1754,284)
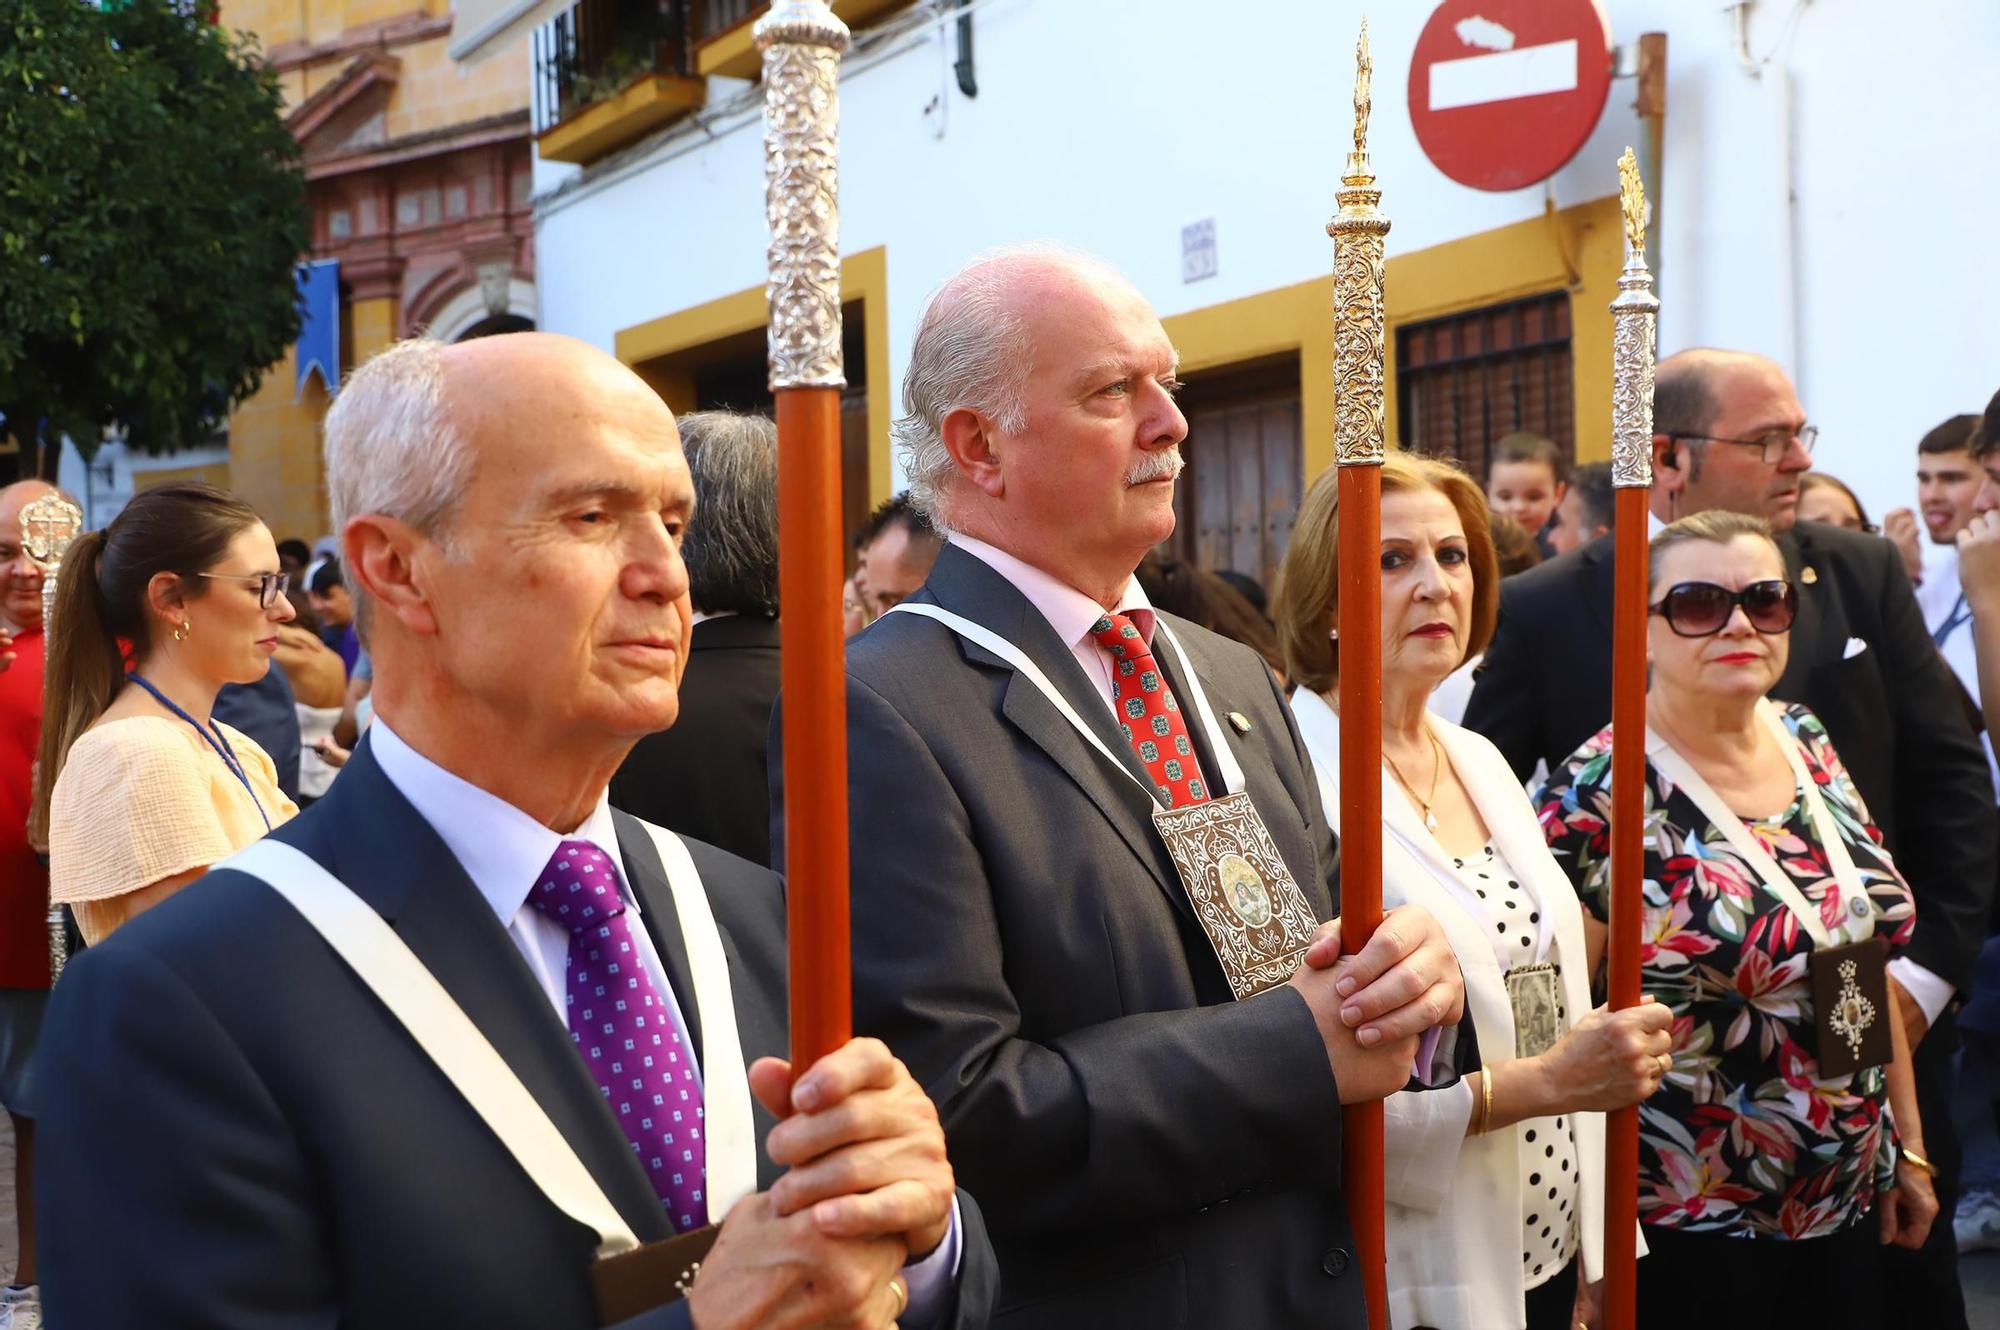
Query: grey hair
(971,350)
(731,546)
(392,447)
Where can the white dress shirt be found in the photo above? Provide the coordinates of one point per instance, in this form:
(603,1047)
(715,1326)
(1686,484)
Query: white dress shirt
(1071,613)
(503,851)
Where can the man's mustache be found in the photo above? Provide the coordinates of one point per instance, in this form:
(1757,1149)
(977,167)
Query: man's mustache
(1166,464)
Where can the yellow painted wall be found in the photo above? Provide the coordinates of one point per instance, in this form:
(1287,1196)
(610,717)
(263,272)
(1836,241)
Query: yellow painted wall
(274,460)
(274,438)
(1579,249)
(661,349)
(214,473)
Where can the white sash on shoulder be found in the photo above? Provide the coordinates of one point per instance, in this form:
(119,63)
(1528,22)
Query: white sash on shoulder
(1856,911)
(385,963)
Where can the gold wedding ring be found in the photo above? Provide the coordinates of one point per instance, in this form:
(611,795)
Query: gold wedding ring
(1666,1062)
(902,1297)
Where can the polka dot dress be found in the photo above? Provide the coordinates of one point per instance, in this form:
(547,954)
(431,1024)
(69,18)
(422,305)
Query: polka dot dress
(1547,1153)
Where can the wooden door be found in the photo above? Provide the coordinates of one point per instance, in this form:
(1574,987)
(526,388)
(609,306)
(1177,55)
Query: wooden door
(1239,496)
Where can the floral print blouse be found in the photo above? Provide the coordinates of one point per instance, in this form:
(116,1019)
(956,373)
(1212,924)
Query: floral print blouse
(1743,1136)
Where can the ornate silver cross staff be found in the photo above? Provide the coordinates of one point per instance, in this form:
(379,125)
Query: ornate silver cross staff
(48,527)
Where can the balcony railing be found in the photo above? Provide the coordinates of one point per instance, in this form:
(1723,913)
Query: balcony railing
(600,47)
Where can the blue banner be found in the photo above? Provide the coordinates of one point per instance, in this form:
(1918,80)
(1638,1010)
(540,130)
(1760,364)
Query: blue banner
(319,324)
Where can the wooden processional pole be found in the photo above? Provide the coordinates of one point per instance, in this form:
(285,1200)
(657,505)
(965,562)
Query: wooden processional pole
(1634,314)
(1357,234)
(802,43)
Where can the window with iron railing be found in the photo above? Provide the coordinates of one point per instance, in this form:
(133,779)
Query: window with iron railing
(718,15)
(600,46)
(1466,381)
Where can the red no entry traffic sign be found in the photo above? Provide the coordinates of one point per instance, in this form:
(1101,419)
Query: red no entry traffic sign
(1504,92)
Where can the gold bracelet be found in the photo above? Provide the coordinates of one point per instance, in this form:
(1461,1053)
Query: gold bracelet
(1486,1101)
(1916,1160)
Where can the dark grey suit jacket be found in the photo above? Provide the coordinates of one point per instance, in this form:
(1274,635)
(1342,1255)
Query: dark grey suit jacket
(706,776)
(237,1134)
(1149,1153)
(1891,708)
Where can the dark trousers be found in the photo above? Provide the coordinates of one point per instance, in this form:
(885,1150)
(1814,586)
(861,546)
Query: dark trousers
(1922,1285)
(1715,1281)
(1552,1304)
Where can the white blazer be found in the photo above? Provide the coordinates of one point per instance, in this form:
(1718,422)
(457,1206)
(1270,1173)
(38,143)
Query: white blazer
(1454,1202)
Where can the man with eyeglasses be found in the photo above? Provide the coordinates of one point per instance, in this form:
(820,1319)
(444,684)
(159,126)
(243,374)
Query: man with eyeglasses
(1730,433)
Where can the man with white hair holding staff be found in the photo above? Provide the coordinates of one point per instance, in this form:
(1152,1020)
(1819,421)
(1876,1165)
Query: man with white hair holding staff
(409,1100)
(1090,865)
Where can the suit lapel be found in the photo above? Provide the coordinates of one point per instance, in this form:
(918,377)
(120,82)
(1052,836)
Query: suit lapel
(389,856)
(1595,578)
(1808,628)
(657,911)
(962,583)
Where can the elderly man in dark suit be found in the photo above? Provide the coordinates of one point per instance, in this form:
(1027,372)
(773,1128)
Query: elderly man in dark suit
(706,777)
(1149,1151)
(240,1134)
(1730,433)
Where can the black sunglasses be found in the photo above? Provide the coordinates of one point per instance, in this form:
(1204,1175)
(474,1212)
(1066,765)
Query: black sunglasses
(1702,609)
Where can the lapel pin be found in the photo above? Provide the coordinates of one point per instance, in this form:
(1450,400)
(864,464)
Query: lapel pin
(1240,721)
(1810,575)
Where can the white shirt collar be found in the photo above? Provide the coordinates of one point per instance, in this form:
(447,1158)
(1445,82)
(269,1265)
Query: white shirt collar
(1071,613)
(500,847)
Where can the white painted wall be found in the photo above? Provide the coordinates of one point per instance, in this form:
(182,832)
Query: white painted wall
(1112,123)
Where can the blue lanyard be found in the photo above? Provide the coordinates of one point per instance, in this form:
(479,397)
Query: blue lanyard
(1959,615)
(216,740)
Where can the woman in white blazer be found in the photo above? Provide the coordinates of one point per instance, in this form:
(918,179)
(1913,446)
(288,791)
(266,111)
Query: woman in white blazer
(1516,1148)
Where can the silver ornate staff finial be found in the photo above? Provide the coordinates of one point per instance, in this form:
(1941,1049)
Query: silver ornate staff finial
(1634,314)
(49,526)
(1359,342)
(802,43)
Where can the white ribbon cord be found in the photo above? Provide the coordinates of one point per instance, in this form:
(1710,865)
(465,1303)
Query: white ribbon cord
(726,1120)
(441,1028)
(1857,924)
(385,963)
(1229,770)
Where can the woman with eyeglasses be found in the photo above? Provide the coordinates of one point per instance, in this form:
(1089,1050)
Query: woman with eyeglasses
(139,788)
(1785,1144)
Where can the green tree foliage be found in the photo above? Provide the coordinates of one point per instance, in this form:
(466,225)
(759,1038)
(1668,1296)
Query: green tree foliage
(151,210)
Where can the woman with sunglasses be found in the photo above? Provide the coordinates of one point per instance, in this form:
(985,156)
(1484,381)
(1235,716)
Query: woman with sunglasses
(139,788)
(1785,1144)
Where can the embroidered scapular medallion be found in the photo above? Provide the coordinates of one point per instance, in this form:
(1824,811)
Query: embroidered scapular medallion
(1850,989)
(1853,1013)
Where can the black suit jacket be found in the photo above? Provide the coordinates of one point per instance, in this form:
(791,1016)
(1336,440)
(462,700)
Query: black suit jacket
(1890,708)
(237,1134)
(706,776)
(1149,1153)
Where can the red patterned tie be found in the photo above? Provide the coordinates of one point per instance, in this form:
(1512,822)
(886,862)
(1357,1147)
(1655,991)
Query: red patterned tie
(1148,713)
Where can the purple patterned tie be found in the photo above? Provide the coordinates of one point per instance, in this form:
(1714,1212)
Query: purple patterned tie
(625,1028)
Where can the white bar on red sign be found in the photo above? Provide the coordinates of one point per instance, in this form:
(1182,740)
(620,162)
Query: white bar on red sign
(1532,71)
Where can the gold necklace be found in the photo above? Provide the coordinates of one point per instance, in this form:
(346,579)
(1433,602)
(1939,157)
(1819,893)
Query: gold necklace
(1437,769)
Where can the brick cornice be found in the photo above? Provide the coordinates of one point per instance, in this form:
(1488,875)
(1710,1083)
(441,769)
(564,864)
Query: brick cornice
(399,30)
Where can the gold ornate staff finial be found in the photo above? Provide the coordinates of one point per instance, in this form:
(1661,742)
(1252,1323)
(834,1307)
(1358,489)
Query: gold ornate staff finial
(1364,102)
(1634,320)
(1359,338)
(1632,199)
